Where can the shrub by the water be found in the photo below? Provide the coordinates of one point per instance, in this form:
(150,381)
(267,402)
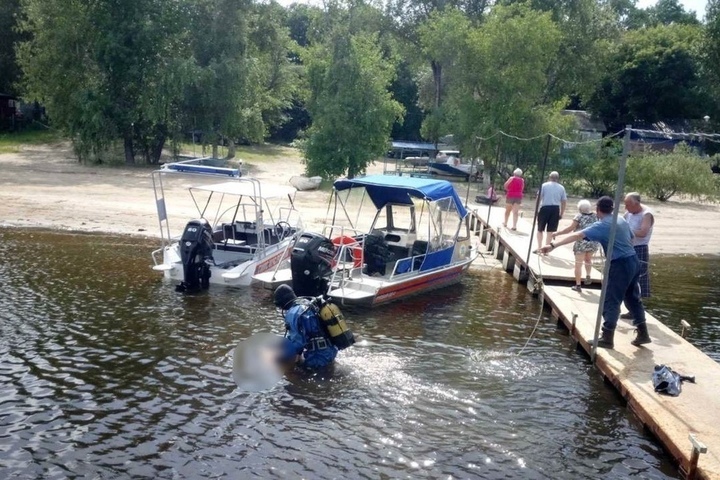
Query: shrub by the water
(680,172)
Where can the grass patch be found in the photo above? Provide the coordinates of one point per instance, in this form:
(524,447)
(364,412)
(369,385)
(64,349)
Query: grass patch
(250,153)
(13,142)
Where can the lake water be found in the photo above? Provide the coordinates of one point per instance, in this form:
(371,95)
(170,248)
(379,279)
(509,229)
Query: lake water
(107,372)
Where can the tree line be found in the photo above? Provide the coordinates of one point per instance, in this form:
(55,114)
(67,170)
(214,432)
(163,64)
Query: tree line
(344,77)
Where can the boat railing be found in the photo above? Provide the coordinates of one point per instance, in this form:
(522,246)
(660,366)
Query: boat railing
(330,231)
(412,265)
(192,166)
(155,254)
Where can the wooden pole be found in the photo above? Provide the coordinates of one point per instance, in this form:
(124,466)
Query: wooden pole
(537,201)
(492,174)
(611,239)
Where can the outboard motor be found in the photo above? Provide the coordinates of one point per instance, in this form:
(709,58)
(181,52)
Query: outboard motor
(311,264)
(196,246)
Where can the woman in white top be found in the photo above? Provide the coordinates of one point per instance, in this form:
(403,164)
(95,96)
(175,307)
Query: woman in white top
(583,249)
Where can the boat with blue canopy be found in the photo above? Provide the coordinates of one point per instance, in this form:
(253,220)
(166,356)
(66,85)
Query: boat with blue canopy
(391,237)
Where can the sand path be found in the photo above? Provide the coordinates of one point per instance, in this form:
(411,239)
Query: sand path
(44,186)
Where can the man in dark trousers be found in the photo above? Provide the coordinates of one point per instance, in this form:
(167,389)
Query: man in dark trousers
(624,272)
(553,201)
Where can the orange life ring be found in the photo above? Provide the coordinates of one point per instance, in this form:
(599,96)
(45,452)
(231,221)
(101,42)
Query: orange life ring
(354,249)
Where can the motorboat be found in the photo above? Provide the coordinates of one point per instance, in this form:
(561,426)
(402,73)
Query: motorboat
(407,236)
(242,228)
(448,162)
(303,183)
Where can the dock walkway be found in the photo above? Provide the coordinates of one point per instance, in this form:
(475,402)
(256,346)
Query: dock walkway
(512,248)
(696,411)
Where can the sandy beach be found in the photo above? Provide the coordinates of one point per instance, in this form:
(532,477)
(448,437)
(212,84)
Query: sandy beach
(44,186)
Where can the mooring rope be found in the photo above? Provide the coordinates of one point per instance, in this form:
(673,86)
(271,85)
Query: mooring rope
(539,282)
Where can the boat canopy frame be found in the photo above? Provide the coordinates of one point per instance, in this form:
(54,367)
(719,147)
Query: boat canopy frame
(241,187)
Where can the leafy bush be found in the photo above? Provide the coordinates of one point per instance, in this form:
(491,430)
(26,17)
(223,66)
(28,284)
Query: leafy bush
(592,169)
(681,171)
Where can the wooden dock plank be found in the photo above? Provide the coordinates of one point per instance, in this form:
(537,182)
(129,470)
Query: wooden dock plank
(696,410)
(558,266)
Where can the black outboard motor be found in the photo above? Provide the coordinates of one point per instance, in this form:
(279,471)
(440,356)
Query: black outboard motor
(311,264)
(196,246)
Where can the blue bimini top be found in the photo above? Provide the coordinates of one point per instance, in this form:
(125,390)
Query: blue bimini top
(385,189)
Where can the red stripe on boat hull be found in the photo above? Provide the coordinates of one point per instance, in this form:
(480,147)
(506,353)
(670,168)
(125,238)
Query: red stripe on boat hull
(412,286)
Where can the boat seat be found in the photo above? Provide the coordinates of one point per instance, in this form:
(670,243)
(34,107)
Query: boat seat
(419,250)
(244,226)
(228,231)
(237,248)
(398,251)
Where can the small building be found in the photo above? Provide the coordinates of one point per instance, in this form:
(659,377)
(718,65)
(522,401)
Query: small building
(588,127)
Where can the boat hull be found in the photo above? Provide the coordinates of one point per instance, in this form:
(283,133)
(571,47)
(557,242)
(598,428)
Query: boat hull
(461,170)
(397,289)
(240,275)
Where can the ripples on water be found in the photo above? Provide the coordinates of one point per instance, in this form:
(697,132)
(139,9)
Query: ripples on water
(688,287)
(108,373)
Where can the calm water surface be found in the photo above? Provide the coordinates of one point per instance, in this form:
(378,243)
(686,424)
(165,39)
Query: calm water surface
(106,372)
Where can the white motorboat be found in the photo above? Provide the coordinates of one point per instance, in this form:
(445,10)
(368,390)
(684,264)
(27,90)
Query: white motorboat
(242,228)
(305,183)
(448,162)
(417,238)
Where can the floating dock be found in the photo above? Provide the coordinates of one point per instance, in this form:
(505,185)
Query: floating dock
(688,426)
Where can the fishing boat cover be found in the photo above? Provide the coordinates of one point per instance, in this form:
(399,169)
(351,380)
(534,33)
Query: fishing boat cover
(384,189)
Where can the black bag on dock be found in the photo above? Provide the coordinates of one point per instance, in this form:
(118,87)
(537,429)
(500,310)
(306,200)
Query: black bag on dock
(666,381)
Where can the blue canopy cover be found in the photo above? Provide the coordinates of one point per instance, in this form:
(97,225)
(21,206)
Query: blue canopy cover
(384,189)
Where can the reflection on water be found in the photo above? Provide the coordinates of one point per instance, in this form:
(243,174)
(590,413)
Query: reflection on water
(688,288)
(108,373)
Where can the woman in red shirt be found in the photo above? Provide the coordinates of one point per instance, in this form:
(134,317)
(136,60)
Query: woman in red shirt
(513,196)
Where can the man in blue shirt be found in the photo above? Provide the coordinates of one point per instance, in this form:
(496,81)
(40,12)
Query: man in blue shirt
(305,344)
(624,272)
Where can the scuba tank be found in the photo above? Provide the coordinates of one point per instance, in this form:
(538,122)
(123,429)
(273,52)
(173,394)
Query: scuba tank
(334,324)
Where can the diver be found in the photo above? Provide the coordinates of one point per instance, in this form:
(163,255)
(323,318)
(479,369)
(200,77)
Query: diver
(315,330)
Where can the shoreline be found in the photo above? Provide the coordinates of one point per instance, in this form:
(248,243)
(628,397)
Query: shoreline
(45,187)
(155,238)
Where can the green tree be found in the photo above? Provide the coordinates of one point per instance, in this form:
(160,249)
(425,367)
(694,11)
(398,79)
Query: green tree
(423,44)
(669,12)
(105,70)
(351,109)
(503,83)
(441,38)
(591,169)
(654,75)
(9,36)
(680,172)
(711,60)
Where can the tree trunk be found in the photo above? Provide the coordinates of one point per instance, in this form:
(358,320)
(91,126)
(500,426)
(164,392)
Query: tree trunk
(129,152)
(215,148)
(437,81)
(231,149)
(158,144)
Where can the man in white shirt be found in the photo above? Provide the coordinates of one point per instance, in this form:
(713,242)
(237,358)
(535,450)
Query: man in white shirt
(553,201)
(641,221)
